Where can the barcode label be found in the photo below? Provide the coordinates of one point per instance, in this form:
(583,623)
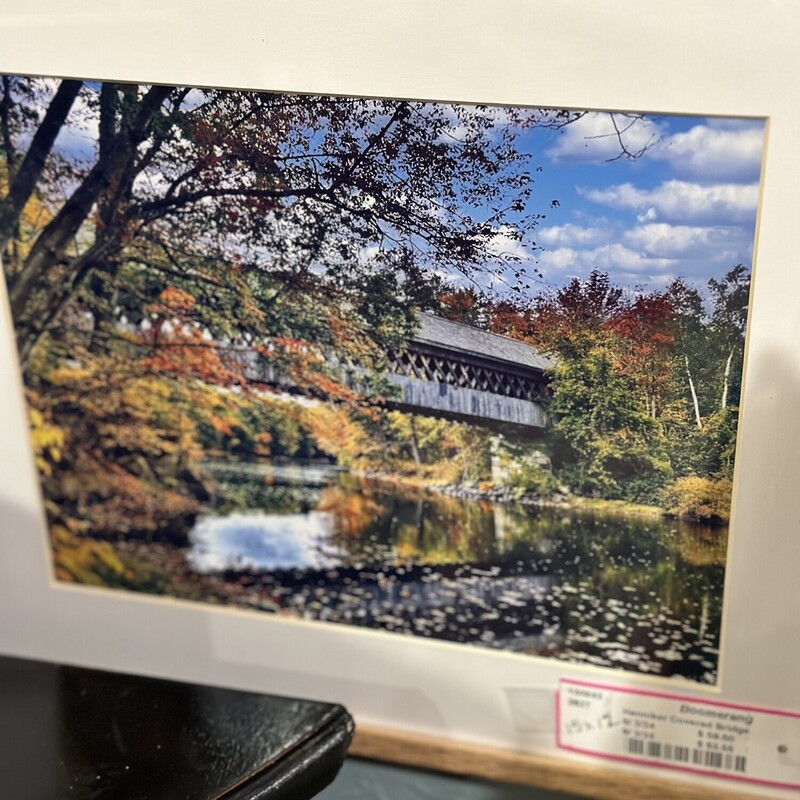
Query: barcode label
(686,755)
(736,742)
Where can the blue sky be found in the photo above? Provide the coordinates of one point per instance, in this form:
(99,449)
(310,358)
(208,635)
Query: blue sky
(685,207)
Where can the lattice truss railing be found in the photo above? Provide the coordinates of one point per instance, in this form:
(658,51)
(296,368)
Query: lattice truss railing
(443,369)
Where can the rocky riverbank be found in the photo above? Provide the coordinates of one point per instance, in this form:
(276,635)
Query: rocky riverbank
(515,495)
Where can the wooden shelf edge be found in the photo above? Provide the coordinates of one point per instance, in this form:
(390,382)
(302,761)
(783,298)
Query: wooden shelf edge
(597,782)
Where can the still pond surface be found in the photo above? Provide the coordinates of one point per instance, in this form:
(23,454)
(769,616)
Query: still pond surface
(632,592)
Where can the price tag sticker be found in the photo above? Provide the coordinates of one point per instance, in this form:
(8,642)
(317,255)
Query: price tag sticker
(756,745)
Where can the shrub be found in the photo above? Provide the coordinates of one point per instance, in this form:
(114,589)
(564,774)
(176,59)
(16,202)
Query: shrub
(699,498)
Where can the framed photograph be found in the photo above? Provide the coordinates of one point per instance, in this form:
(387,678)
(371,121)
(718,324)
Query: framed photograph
(428,391)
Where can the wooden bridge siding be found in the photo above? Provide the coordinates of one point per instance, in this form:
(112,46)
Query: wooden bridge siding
(475,359)
(458,402)
(457,357)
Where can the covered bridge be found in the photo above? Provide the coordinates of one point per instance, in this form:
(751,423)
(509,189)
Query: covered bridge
(464,373)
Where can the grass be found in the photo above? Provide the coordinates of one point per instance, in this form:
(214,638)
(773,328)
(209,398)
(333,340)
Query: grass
(617,507)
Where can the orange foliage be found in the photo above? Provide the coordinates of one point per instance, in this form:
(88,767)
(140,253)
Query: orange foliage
(645,348)
(221,425)
(172,302)
(337,433)
(179,346)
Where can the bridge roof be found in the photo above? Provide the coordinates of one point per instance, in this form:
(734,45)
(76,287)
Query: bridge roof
(455,336)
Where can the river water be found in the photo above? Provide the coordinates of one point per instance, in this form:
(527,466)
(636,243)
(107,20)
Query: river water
(633,592)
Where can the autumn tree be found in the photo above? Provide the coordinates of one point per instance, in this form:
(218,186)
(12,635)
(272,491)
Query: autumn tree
(604,438)
(512,318)
(264,206)
(645,329)
(466,305)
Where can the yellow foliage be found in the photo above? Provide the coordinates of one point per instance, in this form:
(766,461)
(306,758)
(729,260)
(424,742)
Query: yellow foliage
(337,433)
(700,498)
(87,561)
(69,375)
(117,452)
(47,441)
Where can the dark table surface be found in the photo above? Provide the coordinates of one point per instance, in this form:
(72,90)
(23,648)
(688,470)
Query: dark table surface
(67,732)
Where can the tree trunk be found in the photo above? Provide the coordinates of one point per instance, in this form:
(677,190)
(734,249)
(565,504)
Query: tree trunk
(414,443)
(32,165)
(5,124)
(695,402)
(30,330)
(726,380)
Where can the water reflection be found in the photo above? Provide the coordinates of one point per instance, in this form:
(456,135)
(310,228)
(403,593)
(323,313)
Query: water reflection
(637,593)
(258,540)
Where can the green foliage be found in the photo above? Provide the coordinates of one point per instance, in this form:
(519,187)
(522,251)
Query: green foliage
(717,443)
(436,450)
(710,343)
(249,425)
(645,388)
(603,443)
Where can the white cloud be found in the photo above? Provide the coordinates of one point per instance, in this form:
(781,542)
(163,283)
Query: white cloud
(151,182)
(652,255)
(682,201)
(661,240)
(78,137)
(611,257)
(570,234)
(600,136)
(697,224)
(194,99)
(714,151)
(562,259)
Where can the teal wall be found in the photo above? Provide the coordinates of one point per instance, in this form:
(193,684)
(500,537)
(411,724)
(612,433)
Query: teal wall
(367,780)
